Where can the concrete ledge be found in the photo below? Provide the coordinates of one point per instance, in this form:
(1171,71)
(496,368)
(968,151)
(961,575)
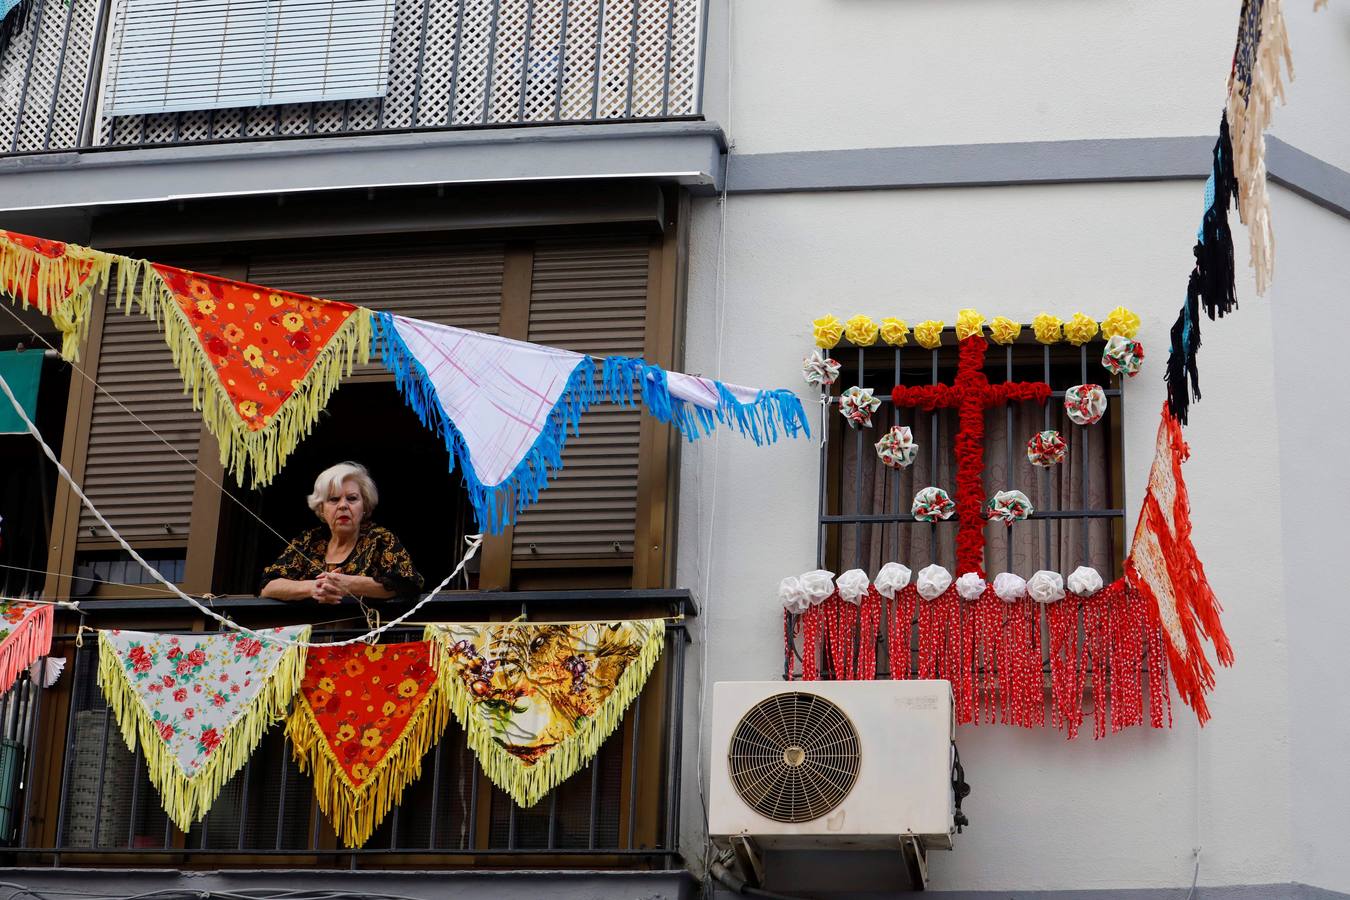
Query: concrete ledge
(565,884)
(686,152)
(1226,892)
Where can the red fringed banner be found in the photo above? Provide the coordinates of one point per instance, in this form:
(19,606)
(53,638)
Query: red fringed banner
(1165,571)
(25,636)
(994,648)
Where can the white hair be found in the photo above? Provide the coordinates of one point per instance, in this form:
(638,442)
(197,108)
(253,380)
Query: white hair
(330,482)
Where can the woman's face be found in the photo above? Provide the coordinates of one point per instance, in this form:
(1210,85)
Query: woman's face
(344,510)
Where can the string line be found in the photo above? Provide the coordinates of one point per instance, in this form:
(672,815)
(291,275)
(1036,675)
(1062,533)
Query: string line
(474,542)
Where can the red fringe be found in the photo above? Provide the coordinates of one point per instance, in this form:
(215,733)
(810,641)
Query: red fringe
(898,631)
(1066,666)
(813,622)
(1167,574)
(29,640)
(987,616)
(869,626)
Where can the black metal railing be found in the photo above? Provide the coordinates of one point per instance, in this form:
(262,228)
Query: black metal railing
(620,811)
(452,64)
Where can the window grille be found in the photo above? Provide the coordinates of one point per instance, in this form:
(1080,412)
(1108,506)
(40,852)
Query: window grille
(180,55)
(864,510)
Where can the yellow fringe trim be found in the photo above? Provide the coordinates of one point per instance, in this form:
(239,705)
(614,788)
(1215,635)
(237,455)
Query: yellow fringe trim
(187,799)
(527,784)
(1248,119)
(265,450)
(357,810)
(62,294)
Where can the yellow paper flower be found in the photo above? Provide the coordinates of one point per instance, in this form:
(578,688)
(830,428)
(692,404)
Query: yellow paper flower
(1120,321)
(969,323)
(1080,329)
(1048,328)
(1004,330)
(929,333)
(827,331)
(894,331)
(861,331)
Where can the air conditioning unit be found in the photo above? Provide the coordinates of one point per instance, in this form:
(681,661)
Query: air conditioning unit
(803,772)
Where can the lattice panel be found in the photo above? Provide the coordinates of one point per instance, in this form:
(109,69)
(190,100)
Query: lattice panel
(454,62)
(42,87)
(616,34)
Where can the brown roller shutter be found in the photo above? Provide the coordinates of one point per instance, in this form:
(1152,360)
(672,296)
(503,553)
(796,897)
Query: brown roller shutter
(451,284)
(141,485)
(591,297)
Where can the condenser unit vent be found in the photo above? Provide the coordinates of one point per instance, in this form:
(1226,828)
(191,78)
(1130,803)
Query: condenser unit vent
(794,757)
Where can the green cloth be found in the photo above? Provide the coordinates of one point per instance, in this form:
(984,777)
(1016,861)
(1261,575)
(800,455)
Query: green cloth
(22,370)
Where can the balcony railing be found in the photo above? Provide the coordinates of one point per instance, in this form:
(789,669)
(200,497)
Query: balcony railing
(72,794)
(454,64)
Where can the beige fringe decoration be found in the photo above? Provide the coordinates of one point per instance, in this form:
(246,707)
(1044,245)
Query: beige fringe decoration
(187,799)
(528,784)
(64,286)
(357,810)
(263,451)
(1248,117)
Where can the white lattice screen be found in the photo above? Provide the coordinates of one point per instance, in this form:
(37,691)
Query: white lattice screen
(455,63)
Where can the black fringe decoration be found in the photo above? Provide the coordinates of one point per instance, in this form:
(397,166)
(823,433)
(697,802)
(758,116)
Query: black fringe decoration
(1214,252)
(14,23)
(1183,375)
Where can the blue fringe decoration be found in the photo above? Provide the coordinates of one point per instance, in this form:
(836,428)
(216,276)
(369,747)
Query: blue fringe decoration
(771,412)
(495,505)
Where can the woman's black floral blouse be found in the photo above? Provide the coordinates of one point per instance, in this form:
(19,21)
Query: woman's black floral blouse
(378,554)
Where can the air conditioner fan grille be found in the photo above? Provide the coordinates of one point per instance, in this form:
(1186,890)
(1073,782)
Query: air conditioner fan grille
(794,757)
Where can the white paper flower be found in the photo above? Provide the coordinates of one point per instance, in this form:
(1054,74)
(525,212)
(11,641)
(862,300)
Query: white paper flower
(1046,586)
(932,581)
(818,584)
(971,586)
(1010,587)
(792,595)
(852,585)
(892,579)
(1085,581)
(819,369)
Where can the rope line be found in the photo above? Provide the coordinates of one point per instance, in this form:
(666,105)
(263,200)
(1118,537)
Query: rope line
(474,541)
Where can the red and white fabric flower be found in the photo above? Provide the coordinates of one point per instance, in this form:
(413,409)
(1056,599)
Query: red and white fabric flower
(1085,404)
(1046,449)
(857,405)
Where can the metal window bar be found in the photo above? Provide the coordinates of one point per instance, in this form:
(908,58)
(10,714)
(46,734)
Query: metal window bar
(1084,514)
(564,836)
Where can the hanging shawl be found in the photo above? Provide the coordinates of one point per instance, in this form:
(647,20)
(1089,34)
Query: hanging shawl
(693,403)
(536,700)
(58,279)
(365,718)
(503,407)
(25,637)
(198,704)
(260,363)
(1164,568)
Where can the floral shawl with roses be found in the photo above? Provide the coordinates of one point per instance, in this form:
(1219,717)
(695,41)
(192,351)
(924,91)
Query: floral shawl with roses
(198,704)
(365,718)
(260,363)
(537,699)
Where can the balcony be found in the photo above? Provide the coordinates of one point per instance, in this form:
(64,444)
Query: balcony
(451,65)
(74,797)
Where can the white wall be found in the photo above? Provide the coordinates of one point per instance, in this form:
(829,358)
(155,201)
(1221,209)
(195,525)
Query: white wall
(1311,319)
(831,74)
(1046,813)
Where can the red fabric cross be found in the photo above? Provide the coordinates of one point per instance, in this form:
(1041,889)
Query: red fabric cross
(971,393)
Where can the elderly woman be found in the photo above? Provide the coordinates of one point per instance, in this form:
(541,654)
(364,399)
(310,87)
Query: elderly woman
(347,556)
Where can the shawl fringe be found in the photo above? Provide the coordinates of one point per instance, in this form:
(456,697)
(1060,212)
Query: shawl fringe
(762,420)
(187,799)
(29,641)
(65,284)
(357,810)
(263,451)
(495,505)
(527,785)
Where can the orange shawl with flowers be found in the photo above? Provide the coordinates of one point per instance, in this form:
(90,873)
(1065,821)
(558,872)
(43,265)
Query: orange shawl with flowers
(366,716)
